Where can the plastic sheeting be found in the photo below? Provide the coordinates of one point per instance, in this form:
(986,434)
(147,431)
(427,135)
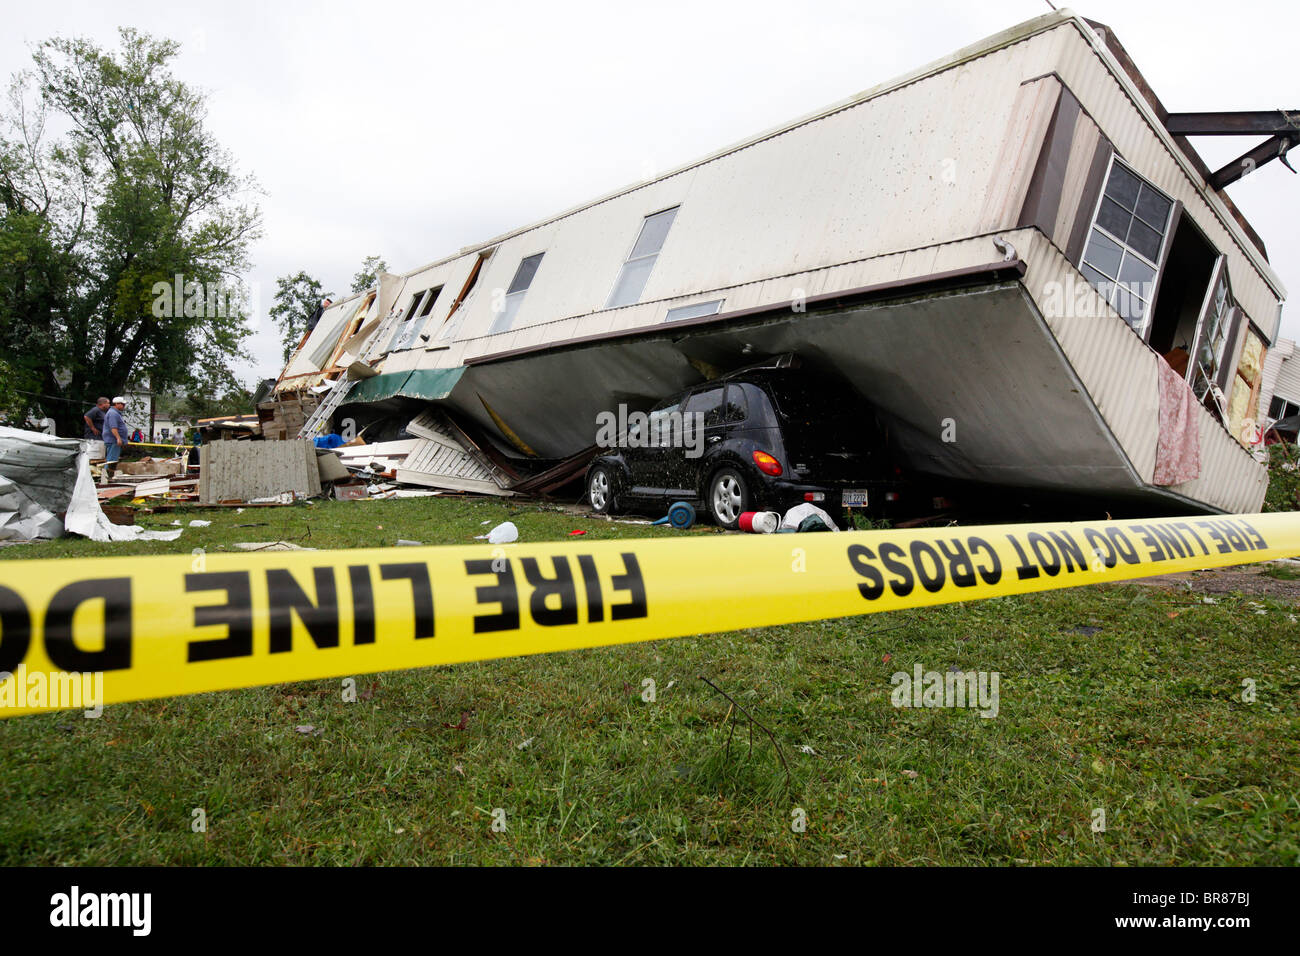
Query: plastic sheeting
(41,477)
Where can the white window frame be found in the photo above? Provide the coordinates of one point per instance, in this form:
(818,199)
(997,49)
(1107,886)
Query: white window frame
(418,317)
(1221,331)
(452,323)
(504,319)
(716,303)
(652,257)
(1165,239)
(1289,407)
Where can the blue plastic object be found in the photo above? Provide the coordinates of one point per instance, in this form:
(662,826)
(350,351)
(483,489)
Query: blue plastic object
(681,515)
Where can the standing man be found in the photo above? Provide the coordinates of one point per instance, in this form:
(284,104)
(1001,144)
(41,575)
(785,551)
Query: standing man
(115,438)
(94,420)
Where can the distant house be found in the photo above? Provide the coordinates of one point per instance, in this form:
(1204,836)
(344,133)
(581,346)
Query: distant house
(1281,388)
(1016,241)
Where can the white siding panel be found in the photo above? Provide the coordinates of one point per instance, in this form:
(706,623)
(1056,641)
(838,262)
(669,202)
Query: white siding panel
(1287,379)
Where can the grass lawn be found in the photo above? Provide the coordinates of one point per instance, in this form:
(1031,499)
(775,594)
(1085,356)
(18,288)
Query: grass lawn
(1126,699)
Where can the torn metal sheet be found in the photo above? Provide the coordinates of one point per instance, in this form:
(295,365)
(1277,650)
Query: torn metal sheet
(42,477)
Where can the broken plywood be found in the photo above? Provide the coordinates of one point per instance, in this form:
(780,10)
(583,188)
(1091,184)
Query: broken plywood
(243,471)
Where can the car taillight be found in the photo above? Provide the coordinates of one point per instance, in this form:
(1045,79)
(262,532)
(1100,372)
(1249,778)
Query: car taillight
(766,463)
(814,496)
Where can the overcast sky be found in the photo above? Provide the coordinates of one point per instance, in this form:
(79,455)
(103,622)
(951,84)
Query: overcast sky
(411,130)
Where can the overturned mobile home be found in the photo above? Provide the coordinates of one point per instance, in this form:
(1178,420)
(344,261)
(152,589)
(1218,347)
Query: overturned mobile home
(1014,253)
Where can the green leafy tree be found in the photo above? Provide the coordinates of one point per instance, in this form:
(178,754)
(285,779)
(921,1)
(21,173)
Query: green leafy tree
(368,277)
(13,403)
(111,186)
(296,298)
(237,400)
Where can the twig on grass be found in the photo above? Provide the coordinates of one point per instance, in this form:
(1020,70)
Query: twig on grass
(753,722)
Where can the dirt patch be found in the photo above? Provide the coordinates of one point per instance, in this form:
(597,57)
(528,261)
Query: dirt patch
(1250,579)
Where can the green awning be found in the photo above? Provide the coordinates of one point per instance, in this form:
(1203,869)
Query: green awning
(428,384)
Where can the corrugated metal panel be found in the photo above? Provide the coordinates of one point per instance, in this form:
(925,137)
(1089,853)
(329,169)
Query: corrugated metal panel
(1082,148)
(1230,477)
(1121,374)
(1118,370)
(1273,359)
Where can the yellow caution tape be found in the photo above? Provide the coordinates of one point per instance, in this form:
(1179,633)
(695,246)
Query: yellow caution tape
(180,624)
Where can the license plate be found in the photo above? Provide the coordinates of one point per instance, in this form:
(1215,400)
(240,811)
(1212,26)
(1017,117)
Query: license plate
(854,499)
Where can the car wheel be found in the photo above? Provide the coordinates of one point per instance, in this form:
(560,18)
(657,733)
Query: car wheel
(728,498)
(600,490)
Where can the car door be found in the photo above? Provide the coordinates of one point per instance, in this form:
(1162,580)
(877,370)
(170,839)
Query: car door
(702,429)
(649,449)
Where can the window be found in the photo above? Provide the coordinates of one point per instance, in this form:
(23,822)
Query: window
(660,423)
(1122,256)
(400,330)
(1217,317)
(1281,408)
(707,403)
(632,278)
(404,337)
(694,311)
(515,293)
(737,408)
(456,313)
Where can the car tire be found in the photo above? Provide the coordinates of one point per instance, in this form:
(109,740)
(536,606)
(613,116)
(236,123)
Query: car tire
(600,490)
(728,498)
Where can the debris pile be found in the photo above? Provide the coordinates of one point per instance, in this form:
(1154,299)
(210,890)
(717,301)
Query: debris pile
(47,489)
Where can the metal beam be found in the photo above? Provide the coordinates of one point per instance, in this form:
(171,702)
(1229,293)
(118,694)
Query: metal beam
(1240,123)
(1272,148)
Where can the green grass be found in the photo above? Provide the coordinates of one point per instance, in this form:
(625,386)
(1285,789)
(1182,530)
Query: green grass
(1282,572)
(1124,698)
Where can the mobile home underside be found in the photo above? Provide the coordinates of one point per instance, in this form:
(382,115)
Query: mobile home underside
(963,367)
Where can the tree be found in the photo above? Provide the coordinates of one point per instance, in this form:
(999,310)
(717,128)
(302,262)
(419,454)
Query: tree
(368,277)
(297,297)
(237,400)
(122,238)
(13,404)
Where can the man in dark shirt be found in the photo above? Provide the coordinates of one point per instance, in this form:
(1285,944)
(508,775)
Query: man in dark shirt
(94,420)
(116,437)
(315,316)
